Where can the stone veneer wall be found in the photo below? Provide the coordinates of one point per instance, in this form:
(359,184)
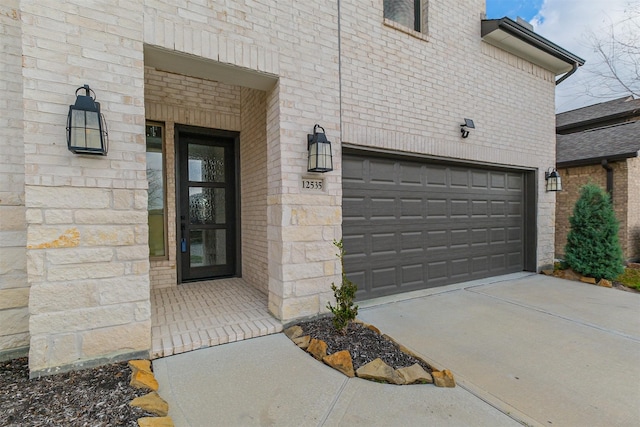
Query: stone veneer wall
(87,233)
(14,289)
(625,203)
(409,92)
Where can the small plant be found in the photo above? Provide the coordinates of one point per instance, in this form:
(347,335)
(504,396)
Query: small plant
(344,310)
(592,246)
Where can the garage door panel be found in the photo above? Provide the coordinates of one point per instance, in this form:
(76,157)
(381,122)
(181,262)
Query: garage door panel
(436,176)
(411,225)
(411,175)
(413,274)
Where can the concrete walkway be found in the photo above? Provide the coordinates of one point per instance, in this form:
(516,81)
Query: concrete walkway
(524,349)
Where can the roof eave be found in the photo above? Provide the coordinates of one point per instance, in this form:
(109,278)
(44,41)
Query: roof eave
(522,42)
(596,160)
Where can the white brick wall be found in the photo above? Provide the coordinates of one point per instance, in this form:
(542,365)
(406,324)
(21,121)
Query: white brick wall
(86,216)
(14,291)
(253,188)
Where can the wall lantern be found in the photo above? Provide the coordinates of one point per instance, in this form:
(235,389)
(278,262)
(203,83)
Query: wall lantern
(464,128)
(86,128)
(554,183)
(320,157)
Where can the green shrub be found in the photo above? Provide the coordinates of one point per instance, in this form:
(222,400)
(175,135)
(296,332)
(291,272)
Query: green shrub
(344,310)
(592,246)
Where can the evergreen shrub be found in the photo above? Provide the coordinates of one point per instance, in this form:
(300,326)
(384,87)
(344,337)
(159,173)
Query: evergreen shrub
(593,248)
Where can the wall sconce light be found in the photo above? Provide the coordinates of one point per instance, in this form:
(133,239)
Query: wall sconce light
(320,157)
(86,127)
(554,183)
(468,123)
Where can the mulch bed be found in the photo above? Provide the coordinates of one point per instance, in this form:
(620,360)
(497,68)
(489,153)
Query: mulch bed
(91,397)
(363,344)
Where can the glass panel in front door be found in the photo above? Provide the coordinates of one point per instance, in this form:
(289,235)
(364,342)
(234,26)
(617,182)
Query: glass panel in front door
(207,207)
(206,163)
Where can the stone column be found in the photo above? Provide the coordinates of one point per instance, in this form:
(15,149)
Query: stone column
(87,249)
(14,291)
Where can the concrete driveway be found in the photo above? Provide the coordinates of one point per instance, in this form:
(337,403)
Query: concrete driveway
(544,350)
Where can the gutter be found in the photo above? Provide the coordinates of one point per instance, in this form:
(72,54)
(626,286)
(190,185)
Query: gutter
(574,68)
(596,160)
(519,31)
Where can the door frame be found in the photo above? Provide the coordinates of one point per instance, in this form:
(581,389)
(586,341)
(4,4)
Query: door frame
(180,131)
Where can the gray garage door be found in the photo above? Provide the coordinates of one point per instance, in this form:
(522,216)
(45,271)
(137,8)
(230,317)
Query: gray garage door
(411,225)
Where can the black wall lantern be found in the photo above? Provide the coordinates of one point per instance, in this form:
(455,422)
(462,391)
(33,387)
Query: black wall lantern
(554,183)
(86,128)
(320,157)
(464,128)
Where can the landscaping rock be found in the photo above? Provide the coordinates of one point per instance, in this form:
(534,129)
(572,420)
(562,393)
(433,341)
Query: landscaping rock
(589,280)
(341,361)
(302,342)
(153,403)
(140,365)
(605,283)
(293,332)
(141,375)
(415,374)
(377,370)
(548,272)
(155,422)
(317,348)
(443,378)
(568,274)
(634,265)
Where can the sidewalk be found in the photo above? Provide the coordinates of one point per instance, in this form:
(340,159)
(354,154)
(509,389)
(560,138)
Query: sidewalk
(523,348)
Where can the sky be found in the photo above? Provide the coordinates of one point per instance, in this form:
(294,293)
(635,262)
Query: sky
(567,23)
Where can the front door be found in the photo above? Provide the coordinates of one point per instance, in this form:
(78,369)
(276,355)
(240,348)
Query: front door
(207,212)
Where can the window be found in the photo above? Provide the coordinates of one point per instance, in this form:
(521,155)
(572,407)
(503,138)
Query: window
(156,192)
(404,12)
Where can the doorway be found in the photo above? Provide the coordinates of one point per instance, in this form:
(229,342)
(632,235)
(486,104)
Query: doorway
(207,209)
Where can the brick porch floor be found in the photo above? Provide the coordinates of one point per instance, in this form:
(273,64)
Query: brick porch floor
(203,314)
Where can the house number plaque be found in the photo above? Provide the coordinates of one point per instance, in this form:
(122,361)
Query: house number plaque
(312,184)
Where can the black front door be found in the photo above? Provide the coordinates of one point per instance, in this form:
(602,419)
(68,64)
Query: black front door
(207,211)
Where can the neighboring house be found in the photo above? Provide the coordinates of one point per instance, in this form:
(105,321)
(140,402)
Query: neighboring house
(600,144)
(209,105)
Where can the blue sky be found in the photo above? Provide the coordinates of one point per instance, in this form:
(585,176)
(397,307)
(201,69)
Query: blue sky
(525,9)
(567,23)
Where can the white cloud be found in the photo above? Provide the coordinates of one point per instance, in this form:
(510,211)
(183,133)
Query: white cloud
(567,23)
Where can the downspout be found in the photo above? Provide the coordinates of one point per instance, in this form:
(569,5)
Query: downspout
(574,68)
(609,170)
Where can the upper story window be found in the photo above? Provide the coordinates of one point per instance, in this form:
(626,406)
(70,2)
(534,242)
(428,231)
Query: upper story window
(404,12)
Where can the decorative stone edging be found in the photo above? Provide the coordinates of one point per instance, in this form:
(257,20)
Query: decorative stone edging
(142,378)
(376,370)
(569,274)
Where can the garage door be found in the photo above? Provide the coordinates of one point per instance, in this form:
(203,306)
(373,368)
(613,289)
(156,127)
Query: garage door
(410,225)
